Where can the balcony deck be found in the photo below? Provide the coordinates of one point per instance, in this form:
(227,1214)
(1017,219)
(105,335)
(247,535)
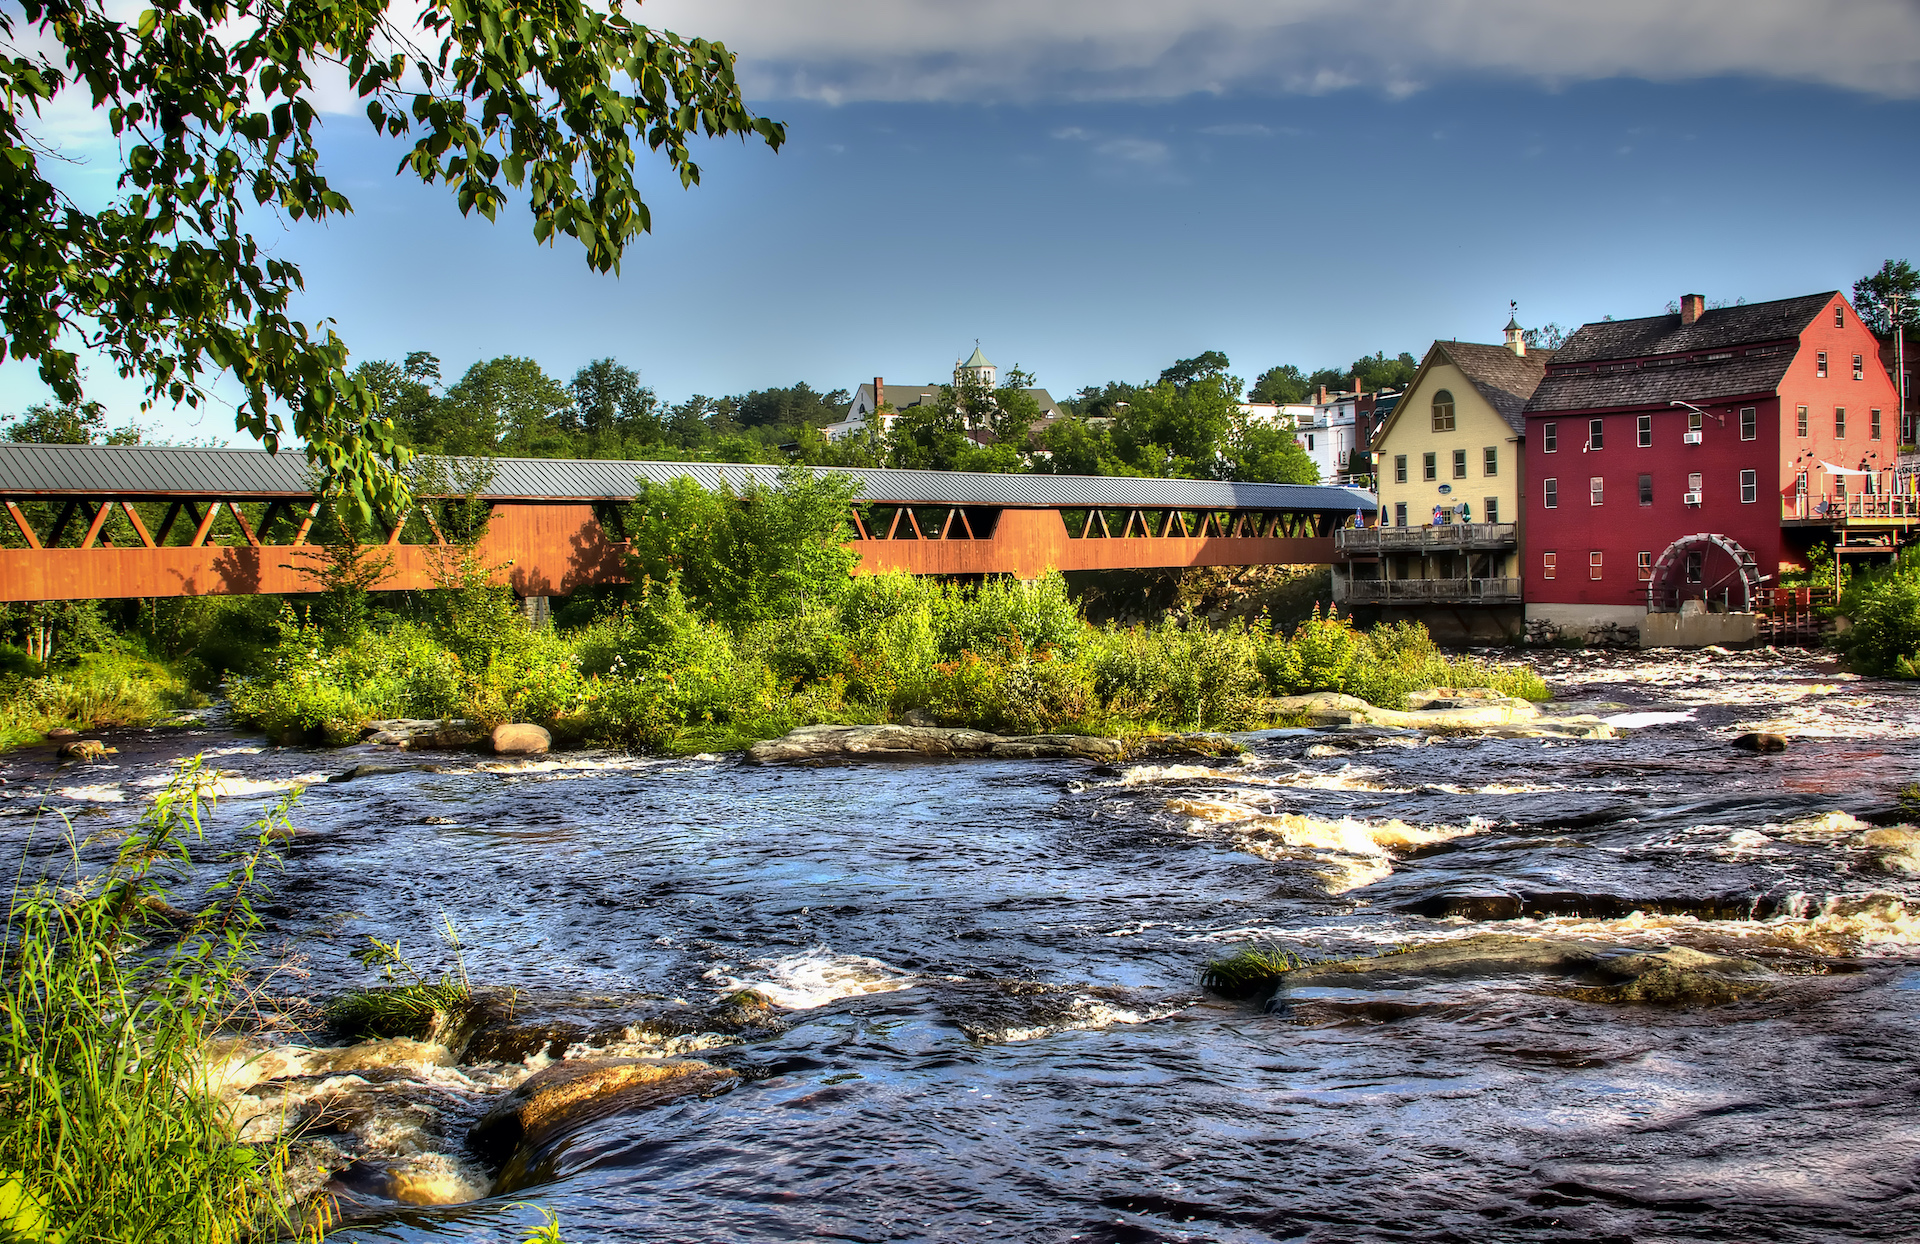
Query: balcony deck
(1447,538)
(1426,591)
(1853,509)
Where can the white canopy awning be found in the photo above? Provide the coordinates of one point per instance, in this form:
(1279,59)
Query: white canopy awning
(1840,470)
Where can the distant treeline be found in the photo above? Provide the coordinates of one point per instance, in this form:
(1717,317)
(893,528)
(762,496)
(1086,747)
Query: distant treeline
(1185,423)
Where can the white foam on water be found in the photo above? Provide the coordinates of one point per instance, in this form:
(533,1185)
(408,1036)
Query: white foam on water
(1641,720)
(802,982)
(1087,1013)
(1147,775)
(91,794)
(1347,852)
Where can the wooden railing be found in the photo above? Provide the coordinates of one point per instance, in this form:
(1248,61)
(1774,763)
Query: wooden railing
(1427,591)
(1838,507)
(1445,538)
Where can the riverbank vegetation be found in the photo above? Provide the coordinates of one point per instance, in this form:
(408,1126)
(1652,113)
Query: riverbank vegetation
(744,621)
(1883,606)
(108,1130)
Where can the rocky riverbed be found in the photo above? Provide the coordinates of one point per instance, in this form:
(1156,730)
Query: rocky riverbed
(1589,973)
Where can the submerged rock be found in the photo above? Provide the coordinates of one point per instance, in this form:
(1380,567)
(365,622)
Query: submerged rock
(519,739)
(1674,976)
(571,1093)
(1761,741)
(86,749)
(815,743)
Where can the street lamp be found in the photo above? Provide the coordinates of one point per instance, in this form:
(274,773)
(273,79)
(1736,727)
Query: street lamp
(1720,419)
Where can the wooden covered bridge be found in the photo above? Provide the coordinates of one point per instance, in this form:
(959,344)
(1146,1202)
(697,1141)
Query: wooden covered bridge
(105,521)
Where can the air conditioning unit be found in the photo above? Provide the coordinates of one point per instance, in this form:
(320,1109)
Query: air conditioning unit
(1692,498)
(1694,438)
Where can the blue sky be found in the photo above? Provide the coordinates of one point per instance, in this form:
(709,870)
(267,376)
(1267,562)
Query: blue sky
(1095,214)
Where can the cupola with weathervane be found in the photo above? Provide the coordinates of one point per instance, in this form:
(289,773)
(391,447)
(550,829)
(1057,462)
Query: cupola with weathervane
(1516,336)
(976,368)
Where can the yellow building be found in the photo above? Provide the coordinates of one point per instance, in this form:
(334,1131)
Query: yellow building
(1449,460)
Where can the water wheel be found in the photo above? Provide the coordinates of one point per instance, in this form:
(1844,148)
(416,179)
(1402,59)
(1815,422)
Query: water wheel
(1704,567)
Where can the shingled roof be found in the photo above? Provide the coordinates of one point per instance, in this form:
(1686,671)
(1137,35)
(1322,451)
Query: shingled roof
(1656,382)
(1504,378)
(1719,328)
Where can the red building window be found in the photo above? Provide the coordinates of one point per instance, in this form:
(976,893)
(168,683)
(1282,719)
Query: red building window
(1549,437)
(1549,562)
(1646,490)
(1593,564)
(1551,492)
(1596,490)
(1839,423)
(1749,487)
(1646,567)
(1749,423)
(1644,431)
(1800,421)
(1873,425)
(1820,364)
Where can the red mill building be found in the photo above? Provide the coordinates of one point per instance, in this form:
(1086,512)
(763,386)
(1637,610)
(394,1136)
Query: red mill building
(1675,462)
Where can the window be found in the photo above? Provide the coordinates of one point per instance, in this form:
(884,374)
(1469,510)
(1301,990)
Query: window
(1549,562)
(1459,464)
(1443,411)
(1646,490)
(1551,493)
(1693,483)
(1646,567)
(1644,431)
(1491,506)
(1839,316)
(1839,423)
(1859,369)
(1400,470)
(1800,483)
(1428,467)
(1594,429)
(1749,487)
(1696,421)
(1309,442)
(1596,487)
(1820,364)
(1593,564)
(1873,425)
(1490,460)
(1399,514)
(1749,423)
(1800,421)
(1549,438)
(1696,564)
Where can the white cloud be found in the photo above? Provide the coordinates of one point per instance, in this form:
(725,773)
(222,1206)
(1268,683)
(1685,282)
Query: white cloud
(837,50)
(1135,150)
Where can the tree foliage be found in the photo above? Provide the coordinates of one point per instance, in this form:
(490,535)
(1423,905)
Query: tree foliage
(1875,294)
(748,555)
(214,106)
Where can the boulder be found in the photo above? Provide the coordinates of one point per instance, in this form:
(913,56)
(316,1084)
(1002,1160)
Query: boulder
(60,734)
(919,717)
(85,749)
(1465,709)
(1760,741)
(568,1094)
(517,739)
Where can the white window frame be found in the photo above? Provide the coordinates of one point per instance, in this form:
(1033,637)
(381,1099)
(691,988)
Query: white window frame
(1749,487)
(1596,490)
(1550,493)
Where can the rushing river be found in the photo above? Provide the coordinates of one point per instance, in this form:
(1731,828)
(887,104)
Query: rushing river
(989,971)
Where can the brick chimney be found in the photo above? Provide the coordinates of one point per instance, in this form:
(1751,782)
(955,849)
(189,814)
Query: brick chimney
(1323,395)
(879,393)
(1692,307)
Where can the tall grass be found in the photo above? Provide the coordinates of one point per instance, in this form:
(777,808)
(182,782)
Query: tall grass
(107,1130)
(101,689)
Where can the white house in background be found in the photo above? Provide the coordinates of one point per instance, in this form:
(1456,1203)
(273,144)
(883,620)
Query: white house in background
(1328,434)
(1279,414)
(869,398)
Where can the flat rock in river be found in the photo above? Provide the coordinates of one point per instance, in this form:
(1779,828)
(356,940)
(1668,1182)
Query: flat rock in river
(578,1091)
(1468,709)
(812,743)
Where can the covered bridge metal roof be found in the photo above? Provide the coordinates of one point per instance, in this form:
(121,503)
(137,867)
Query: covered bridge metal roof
(167,471)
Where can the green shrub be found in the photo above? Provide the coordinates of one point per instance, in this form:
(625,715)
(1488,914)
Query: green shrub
(1041,615)
(101,689)
(106,1125)
(1885,637)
